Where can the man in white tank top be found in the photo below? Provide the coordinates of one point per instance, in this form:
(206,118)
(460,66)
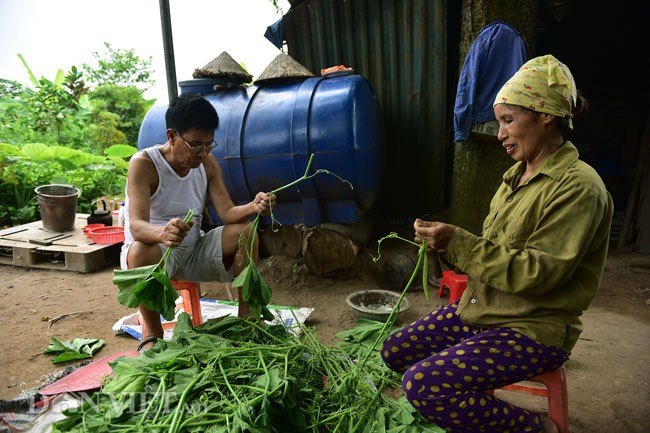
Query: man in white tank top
(165,181)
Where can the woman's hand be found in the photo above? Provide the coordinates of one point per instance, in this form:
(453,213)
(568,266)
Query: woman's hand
(173,233)
(436,234)
(263,202)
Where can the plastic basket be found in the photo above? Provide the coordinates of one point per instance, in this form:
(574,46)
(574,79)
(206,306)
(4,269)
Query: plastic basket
(89,227)
(107,235)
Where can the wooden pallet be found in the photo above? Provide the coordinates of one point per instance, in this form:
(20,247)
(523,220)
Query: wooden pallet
(31,246)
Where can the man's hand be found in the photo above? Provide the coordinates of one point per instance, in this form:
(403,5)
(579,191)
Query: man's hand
(173,233)
(436,235)
(263,202)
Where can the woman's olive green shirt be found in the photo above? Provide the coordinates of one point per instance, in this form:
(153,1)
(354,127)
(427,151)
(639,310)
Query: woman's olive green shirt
(540,259)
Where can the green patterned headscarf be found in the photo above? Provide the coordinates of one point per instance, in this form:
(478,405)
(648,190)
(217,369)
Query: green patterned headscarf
(542,84)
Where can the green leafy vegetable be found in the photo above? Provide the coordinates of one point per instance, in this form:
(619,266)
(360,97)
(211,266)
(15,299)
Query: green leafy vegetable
(79,348)
(149,285)
(255,292)
(231,375)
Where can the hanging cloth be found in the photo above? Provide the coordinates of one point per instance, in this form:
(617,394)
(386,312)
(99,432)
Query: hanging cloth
(275,33)
(496,54)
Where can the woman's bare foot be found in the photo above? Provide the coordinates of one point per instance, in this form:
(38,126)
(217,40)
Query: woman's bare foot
(548,426)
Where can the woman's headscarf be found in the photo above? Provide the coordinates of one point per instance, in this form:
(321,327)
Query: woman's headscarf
(542,84)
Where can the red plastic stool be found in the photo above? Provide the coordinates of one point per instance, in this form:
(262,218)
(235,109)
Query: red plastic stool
(191,296)
(555,392)
(456,283)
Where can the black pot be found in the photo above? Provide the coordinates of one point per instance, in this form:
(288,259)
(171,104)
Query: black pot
(99,216)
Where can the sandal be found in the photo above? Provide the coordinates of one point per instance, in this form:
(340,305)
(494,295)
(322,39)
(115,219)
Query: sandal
(145,342)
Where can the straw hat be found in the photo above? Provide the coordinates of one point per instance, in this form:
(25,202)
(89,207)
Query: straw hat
(283,68)
(223,66)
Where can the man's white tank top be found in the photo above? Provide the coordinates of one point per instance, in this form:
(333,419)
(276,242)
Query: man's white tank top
(174,196)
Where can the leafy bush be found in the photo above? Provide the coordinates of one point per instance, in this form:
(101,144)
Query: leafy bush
(35,164)
(127,104)
(120,67)
(63,131)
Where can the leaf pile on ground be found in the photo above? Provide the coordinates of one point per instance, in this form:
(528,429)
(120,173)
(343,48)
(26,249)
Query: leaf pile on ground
(232,375)
(79,348)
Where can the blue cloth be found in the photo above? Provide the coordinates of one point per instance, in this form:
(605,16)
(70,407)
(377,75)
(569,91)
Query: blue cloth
(275,33)
(496,54)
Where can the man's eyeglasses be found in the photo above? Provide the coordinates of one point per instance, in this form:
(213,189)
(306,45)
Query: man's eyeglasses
(196,147)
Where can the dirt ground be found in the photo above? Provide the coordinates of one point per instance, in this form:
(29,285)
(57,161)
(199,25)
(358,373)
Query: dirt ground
(608,374)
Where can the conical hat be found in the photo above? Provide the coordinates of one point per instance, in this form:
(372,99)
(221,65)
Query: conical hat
(283,67)
(223,66)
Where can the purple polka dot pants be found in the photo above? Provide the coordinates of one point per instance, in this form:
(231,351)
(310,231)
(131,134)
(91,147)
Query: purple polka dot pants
(448,367)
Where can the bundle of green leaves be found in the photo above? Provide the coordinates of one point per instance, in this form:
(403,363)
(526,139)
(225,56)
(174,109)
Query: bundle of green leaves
(149,285)
(230,375)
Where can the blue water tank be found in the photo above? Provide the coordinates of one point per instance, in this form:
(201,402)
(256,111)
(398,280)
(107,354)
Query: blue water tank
(268,132)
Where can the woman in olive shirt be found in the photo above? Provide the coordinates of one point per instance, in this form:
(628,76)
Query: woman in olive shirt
(533,271)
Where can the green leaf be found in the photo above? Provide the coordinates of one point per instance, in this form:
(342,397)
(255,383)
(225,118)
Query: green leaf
(255,291)
(244,278)
(7,149)
(149,285)
(164,299)
(121,151)
(146,285)
(128,378)
(364,333)
(75,156)
(79,348)
(88,345)
(59,79)
(216,325)
(128,280)
(55,346)
(38,152)
(269,380)
(32,77)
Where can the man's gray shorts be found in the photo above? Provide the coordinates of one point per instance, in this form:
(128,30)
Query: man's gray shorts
(200,262)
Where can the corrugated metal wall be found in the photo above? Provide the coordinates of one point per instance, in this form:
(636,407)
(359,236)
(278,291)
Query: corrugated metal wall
(400,46)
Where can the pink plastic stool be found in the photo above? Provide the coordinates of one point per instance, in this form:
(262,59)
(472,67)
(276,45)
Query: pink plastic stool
(189,291)
(456,283)
(555,392)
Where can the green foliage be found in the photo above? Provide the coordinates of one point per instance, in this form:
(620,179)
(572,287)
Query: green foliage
(54,111)
(35,164)
(276,6)
(149,285)
(62,131)
(231,375)
(79,348)
(103,130)
(120,151)
(120,67)
(128,106)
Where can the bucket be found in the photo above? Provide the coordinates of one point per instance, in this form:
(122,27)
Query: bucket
(58,206)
